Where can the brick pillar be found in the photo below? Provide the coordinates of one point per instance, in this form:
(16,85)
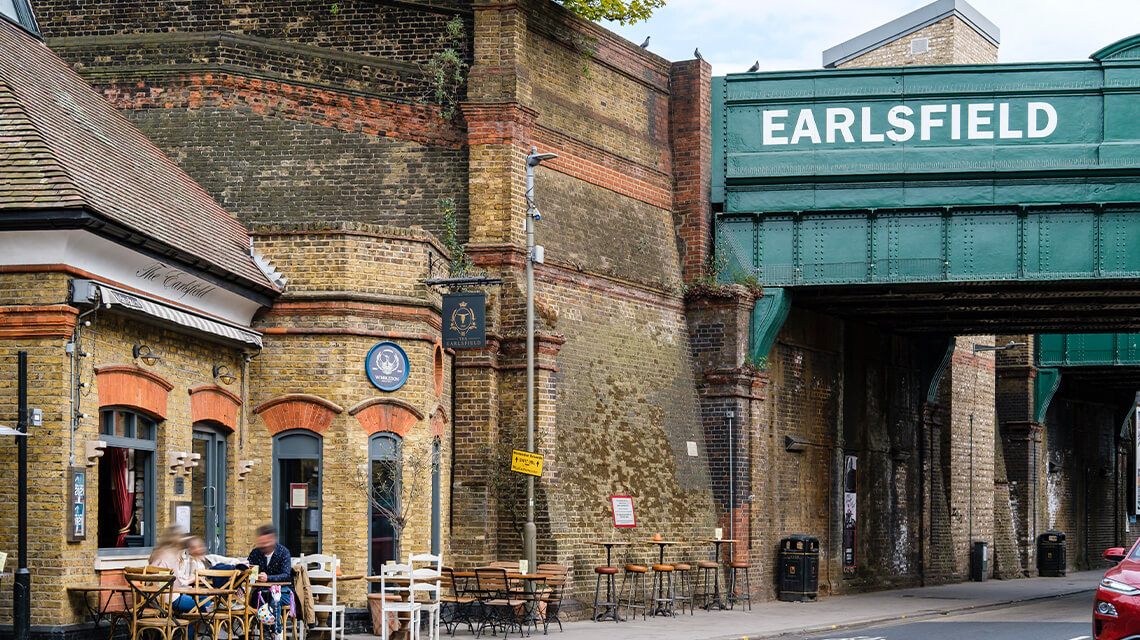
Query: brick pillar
(719,335)
(691,133)
(474,534)
(1024,447)
(1021,444)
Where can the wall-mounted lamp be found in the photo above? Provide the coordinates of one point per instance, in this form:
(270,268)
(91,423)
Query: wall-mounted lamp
(149,356)
(223,374)
(244,467)
(175,460)
(978,348)
(792,443)
(93,450)
(190,462)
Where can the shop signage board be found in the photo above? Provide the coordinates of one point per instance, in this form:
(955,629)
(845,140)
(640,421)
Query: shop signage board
(623,511)
(77,527)
(526,462)
(387,366)
(465,320)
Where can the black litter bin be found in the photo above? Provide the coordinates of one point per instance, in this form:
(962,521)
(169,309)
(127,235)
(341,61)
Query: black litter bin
(1051,554)
(980,562)
(799,568)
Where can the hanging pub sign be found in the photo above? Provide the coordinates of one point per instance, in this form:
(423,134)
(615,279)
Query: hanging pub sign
(464,320)
(850,486)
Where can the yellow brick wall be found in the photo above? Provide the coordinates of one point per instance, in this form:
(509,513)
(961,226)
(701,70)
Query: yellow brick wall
(952,41)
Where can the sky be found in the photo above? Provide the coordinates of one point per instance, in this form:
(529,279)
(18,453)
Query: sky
(792,34)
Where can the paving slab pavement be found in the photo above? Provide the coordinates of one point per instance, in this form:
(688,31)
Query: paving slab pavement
(775,619)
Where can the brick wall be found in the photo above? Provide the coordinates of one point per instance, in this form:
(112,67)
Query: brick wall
(950,41)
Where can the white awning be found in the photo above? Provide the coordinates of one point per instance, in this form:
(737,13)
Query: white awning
(179,318)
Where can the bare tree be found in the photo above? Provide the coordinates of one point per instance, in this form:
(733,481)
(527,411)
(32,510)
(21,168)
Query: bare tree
(395,486)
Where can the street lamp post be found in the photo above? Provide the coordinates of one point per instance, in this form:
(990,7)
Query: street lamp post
(530,533)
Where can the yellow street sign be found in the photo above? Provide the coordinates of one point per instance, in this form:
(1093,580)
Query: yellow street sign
(526,462)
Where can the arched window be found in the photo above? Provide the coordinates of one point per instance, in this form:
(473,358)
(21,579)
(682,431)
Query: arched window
(126,480)
(297,490)
(384,456)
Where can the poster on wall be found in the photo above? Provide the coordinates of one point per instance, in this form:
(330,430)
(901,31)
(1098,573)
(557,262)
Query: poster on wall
(850,483)
(623,511)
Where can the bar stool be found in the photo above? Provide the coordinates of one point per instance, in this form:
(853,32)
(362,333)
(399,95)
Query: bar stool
(683,585)
(663,590)
(737,567)
(708,576)
(608,607)
(637,598)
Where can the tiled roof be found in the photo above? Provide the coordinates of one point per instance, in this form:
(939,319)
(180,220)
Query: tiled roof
(63,145)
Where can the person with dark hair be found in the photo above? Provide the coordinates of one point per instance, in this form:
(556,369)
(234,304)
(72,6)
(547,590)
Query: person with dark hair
(274,564)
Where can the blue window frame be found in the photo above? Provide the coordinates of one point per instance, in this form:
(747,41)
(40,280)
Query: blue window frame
(385,455)
(126,520)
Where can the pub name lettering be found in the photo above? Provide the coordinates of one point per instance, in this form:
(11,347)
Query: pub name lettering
(900,123)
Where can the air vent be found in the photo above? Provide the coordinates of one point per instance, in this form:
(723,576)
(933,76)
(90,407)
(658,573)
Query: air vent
(919,45)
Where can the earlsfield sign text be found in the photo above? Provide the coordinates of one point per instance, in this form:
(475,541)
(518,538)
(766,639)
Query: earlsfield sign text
(900,123)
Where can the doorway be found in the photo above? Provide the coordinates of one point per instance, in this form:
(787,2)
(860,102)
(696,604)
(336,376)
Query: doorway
(208,488)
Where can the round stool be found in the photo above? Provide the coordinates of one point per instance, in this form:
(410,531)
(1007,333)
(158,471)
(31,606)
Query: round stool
(637,598)
(663,590)
(708,583)
(736,568)
(608,606)
(683,585)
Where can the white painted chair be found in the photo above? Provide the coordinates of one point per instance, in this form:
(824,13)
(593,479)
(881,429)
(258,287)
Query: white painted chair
(395,579)
(427,569)
(323,585)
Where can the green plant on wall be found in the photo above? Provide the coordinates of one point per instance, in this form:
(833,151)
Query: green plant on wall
(460,262)
(447,71)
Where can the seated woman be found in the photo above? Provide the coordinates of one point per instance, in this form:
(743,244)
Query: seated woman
(172,553)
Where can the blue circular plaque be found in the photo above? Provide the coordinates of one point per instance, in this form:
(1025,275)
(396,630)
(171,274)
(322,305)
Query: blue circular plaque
(387,366)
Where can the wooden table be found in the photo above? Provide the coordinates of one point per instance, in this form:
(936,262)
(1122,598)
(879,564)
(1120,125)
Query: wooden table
(207,606)
(716,601)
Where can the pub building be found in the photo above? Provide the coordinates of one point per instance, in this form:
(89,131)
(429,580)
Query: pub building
(170,396)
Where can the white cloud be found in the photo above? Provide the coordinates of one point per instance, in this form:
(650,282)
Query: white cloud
(732,34)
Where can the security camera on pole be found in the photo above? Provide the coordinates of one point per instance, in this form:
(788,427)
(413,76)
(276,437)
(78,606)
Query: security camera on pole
(533,159)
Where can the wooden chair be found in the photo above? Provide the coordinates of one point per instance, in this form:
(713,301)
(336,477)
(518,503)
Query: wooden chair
(499,607)
(455,596)
(323,585)
(151,609)
(224,606)
(550,597)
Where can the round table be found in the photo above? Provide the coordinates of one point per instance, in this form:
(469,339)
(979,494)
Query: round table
(609,612)
(716,601)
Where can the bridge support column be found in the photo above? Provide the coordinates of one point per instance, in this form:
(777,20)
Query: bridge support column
(1021,446)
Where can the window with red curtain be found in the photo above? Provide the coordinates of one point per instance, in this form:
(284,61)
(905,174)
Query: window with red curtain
(126,480)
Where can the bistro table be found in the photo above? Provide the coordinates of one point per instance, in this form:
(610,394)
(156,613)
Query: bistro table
(99,608)
(716,601)
(661,609)
(609,612)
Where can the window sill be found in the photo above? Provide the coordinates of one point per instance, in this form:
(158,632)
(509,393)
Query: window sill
(111,559)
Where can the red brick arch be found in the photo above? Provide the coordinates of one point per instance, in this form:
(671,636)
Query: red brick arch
(213,403)
(438,419)
(124,385)
(386,414)
(297,411)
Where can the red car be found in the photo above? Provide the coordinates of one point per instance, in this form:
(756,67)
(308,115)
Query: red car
(1116,612)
